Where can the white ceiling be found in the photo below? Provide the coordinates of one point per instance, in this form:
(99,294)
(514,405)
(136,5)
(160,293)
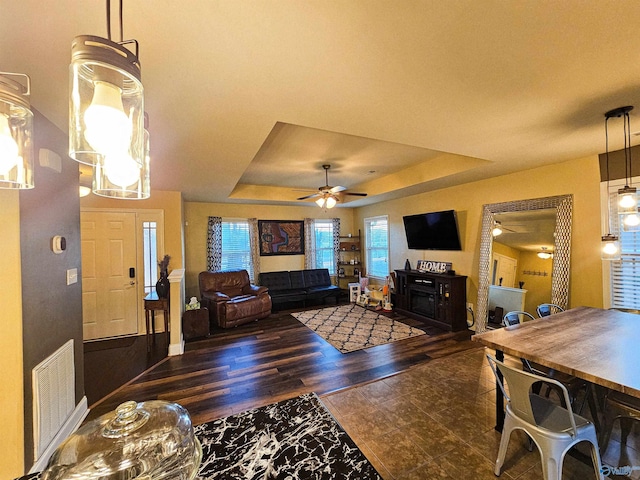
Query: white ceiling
(247,99)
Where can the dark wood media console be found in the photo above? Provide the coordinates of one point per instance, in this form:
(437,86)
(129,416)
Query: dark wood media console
(434,298)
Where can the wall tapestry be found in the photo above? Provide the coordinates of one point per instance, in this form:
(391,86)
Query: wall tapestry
(281,237)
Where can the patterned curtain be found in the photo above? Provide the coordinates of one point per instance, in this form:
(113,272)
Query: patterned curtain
(336,244)
(254,238)
(309,244)
(214,244)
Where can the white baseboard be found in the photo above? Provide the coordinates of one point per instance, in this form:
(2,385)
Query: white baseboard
(71,425)
(176,348)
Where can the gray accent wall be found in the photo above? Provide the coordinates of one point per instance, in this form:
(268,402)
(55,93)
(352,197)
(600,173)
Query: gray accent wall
(52,310)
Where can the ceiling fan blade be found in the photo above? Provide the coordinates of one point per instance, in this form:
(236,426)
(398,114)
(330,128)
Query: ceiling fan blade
(355,193)
(313,195)
(336,189)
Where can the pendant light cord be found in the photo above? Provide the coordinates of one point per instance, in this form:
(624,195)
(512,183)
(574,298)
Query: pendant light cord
(606,143)
(627,141)
(109,21)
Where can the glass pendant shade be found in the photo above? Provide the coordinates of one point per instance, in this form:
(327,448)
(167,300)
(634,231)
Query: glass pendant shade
(331,201)
(610,247)
(497,229)
(631,221)
(16,133)
(627,200)
(106,107)
(121,176)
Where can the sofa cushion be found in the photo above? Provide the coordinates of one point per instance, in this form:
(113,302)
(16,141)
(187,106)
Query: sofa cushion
(318,277)
(275,281)
(297,279)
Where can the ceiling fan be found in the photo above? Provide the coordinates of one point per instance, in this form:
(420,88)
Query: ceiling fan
(328,195)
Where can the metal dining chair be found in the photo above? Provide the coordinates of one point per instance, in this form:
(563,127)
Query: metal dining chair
(552,428)
(546,309)
(573,384)
(515,317)
(618,405)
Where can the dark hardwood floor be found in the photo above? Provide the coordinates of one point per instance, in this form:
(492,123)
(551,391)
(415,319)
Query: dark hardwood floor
(264,362)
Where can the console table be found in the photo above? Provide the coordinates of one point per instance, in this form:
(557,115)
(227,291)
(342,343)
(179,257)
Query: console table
(152,303)
(436,299)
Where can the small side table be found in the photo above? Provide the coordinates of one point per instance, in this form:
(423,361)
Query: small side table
(152,303)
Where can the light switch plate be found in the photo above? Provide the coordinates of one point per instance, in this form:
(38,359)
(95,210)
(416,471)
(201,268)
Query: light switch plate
(72,276)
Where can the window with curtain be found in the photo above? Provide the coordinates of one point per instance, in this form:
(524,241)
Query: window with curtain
(376,232)
(624,275)
(236,246)
(324,245)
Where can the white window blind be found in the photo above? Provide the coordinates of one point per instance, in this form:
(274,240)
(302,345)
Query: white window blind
(624,274)
(236,246)
(377,246)
(325,255)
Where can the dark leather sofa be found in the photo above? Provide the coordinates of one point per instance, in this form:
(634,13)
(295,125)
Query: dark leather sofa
(306,286)
(231,298)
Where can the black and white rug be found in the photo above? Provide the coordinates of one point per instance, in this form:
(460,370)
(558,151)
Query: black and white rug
(292,439)
(352,327)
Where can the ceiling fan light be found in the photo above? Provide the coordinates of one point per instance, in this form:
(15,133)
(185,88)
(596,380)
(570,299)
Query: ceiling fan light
(497,229)
(106,106)
(16,133)
(320,202)
(331,201)
(83,190)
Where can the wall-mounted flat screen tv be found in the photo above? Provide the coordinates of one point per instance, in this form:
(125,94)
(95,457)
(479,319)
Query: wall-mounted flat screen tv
(432,231)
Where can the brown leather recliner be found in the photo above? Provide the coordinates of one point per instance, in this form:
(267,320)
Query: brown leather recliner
(231,299)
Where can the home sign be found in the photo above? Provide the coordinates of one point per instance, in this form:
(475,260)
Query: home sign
(433,267)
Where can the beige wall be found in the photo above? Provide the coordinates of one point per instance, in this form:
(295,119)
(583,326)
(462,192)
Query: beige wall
(11,399)
(578,177)
(170,202)
(196,221)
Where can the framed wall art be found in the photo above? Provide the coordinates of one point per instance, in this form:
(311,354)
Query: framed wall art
(281,237)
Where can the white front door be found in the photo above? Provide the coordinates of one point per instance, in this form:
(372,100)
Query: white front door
(109,290)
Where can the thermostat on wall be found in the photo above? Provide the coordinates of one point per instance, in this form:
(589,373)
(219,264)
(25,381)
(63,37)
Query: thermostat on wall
(58,244)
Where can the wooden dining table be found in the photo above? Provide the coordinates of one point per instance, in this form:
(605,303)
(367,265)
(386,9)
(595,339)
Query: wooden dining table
(600,346)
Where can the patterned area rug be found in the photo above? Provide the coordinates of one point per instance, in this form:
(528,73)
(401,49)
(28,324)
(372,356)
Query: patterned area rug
(351,327)
(292,439)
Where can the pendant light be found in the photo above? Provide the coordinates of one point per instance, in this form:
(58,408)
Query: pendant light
(497,229)
(16,132)
(628,195)
(610,243)
(106,121)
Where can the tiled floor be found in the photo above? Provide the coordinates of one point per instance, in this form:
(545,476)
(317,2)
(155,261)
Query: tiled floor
(436,421)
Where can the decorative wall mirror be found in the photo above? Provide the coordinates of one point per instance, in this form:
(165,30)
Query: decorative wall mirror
(561,249)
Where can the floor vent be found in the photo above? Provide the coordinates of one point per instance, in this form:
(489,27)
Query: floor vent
(53,396)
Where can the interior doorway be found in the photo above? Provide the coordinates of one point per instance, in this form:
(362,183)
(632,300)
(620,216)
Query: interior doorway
(504,270)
